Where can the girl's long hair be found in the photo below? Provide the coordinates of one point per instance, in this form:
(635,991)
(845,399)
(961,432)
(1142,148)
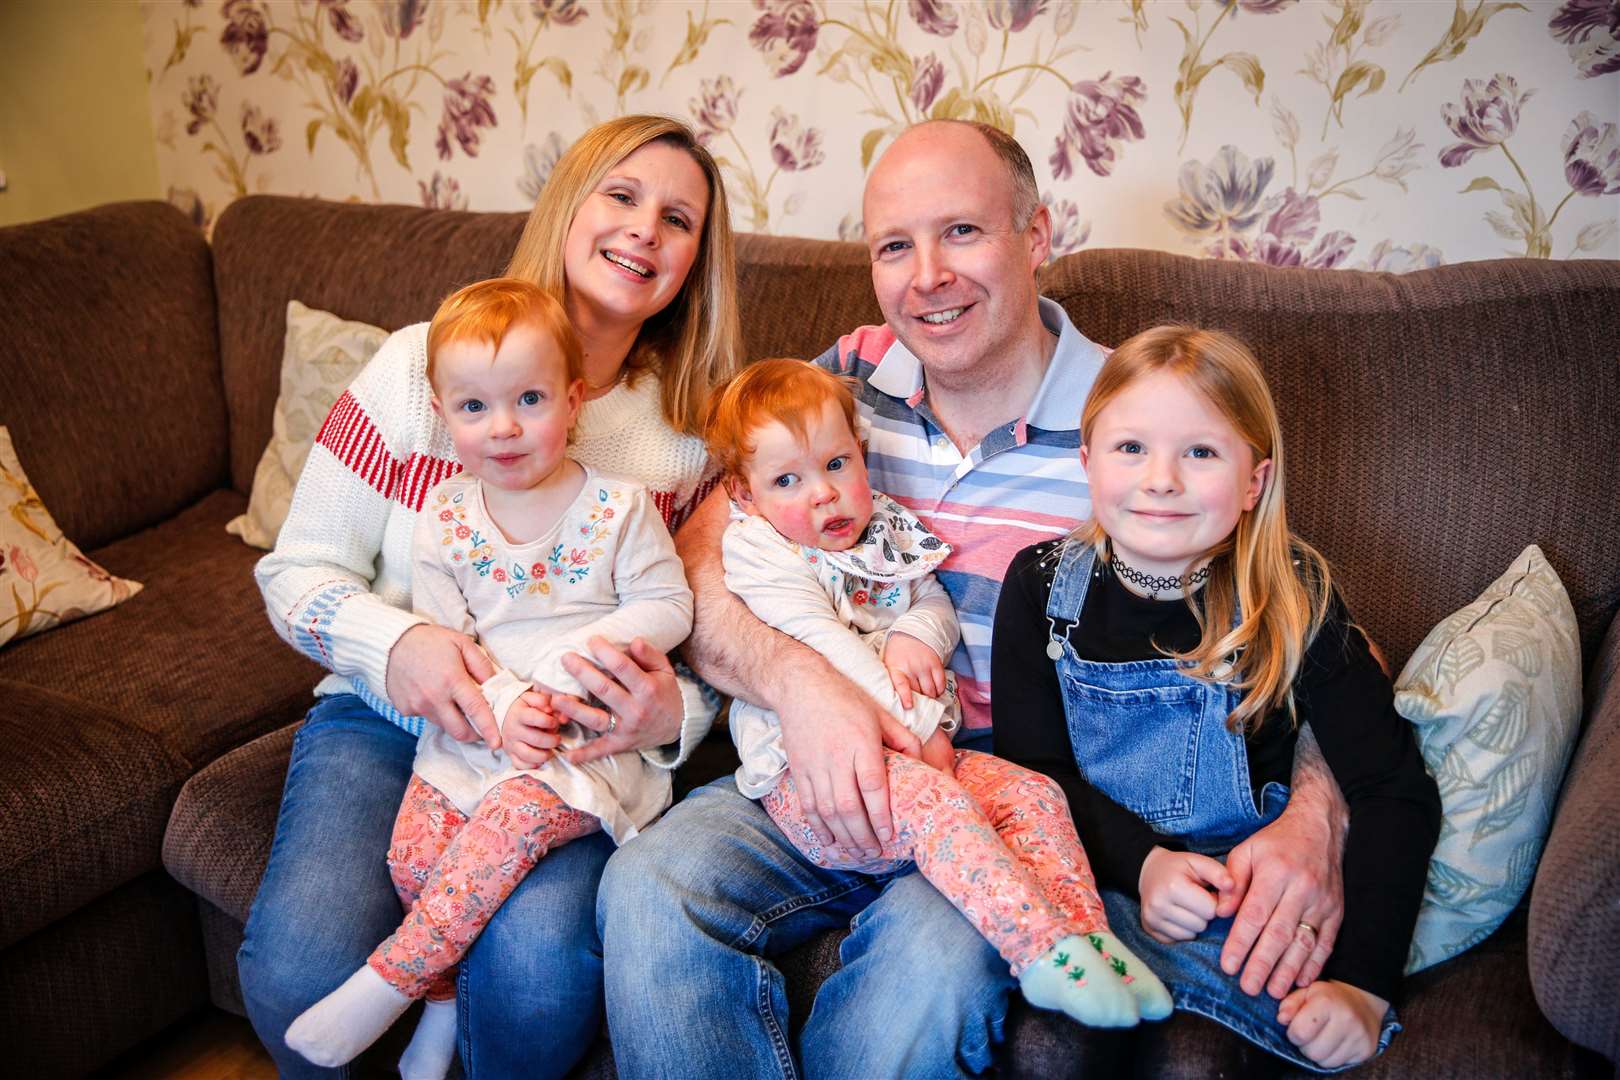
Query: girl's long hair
(695,342)
(1280,584)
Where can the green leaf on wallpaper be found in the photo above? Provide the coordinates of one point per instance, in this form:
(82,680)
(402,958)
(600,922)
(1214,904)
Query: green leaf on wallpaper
(310,132)
(1481,183)
(483,10)
(398,118)
(633,79)
(989,109)
(869,143)
(1247,68)
(360,107)
(1354,75)
(559,68)
(955,105)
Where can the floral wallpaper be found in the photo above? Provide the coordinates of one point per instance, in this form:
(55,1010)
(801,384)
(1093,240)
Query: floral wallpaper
(1384,134)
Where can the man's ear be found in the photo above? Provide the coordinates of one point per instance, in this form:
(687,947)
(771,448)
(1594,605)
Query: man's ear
(1039,233)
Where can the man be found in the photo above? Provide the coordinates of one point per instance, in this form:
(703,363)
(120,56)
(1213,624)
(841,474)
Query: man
(973,388)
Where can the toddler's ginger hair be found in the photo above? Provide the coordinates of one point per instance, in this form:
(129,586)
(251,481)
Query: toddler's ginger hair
(782,390)
(487,310)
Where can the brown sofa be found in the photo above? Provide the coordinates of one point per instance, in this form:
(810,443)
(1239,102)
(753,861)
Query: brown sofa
(1438,422)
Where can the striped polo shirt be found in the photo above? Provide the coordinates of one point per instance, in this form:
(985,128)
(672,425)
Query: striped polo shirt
(1022,484)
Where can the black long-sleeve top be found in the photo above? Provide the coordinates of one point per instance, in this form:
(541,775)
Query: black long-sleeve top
(1340,691)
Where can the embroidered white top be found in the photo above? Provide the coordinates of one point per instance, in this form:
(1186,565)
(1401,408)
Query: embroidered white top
(843,604)
(606,567)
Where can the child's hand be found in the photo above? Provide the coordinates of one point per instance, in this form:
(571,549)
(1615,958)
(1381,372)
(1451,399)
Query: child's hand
(1333,1023)
(912,666)
(1176,900)
(530,730)
(939,752)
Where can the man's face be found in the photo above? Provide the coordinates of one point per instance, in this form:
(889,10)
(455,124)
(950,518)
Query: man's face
(955,280)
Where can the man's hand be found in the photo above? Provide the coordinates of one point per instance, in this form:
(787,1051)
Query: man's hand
(530,730)
(434,672)
(913,667)
(1288,896)
(640,690)
(834,734)
(1176,899)
(939,752)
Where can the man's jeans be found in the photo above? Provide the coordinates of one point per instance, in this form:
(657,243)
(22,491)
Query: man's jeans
(529,998)
(693,910)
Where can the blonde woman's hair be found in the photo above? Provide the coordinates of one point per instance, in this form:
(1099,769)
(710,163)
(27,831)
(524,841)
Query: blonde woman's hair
(1281,585)
(695,342)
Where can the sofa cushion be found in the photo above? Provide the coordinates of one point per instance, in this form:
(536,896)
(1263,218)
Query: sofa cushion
(111,348)
(192,660)
(44,579)
(322,355)
(83,804)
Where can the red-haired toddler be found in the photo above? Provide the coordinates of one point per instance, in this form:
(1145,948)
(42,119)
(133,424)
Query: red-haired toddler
(816,554)
(532,554)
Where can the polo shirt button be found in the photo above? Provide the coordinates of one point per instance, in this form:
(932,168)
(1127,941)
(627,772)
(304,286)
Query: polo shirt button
(941,442)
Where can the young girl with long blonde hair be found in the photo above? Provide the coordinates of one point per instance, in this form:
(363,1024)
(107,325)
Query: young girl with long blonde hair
(1158,664)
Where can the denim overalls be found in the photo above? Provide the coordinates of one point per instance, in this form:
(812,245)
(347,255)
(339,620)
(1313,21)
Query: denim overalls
(1156,741)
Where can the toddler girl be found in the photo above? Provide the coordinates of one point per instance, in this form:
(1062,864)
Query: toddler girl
(1192,634)
(815,553)
(533,554)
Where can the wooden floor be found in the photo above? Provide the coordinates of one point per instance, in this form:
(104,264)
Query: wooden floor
(213,1045)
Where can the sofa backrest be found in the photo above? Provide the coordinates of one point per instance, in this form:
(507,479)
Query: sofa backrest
(109,367)
(1436,422)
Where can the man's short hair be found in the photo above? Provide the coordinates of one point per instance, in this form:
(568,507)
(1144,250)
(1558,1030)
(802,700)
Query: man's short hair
(1026,196)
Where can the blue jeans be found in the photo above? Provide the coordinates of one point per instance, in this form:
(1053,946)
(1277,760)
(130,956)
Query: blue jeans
(692,912)
(529,999)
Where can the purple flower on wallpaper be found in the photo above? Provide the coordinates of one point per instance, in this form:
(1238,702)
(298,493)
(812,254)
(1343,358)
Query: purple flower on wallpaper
(1390,258)
(201,99)
(1259,7)
(934,17)
(1013,15)
(442,193)
(400,17)
(786,34)
(466,109)
(793,148)
(1592,156)
(345,24)
(1069,233)
(715,107)
(259,131)
(1099,113)
(562,12)
(538,161)
(1224,196)
(1286,232)
(1487,117)
(1591,30)
(345,78)
(927,76)
(246,36)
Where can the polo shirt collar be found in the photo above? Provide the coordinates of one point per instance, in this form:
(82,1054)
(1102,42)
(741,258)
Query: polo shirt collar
(1058,400)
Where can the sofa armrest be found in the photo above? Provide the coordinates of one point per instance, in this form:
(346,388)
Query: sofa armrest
(1574,945)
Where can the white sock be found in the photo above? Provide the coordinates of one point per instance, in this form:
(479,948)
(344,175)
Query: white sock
(1074,977)
(433,1047)
(336,1028)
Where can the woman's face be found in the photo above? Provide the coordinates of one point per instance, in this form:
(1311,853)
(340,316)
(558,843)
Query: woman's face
(635,237)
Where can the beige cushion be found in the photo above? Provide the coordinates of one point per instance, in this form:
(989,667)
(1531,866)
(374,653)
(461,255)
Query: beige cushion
(322,355)
(44,579)
(1494,693)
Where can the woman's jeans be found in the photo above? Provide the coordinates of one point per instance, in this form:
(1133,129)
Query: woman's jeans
(529,996)
(694,911)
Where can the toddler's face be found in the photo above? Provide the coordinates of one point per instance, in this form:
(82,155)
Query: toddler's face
(509,410)
(1170,476)
(813,492)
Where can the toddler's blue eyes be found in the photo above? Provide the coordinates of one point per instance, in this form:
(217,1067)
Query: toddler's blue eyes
(1201,452)
(530,397)
(836,463)
(473,406)
(785,480)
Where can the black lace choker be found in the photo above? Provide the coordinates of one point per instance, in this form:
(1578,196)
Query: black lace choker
(1156,585)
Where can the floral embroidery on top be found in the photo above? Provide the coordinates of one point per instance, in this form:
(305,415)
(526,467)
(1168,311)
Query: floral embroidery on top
(567,563)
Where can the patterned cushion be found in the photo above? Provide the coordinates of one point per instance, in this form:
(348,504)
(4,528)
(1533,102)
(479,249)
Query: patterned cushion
(322,355)
(1495,694)
(44,579)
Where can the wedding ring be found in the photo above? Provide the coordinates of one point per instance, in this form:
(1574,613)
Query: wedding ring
(1303,925)
(613,722)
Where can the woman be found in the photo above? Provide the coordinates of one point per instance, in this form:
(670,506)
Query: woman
(633,234)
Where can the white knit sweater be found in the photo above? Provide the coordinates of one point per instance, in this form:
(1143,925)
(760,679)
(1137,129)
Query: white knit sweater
(338,584)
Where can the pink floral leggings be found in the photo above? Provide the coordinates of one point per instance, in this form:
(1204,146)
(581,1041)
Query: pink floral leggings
(995,839)
(453,873)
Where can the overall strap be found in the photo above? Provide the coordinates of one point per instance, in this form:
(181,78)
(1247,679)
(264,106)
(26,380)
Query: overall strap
(1069,588)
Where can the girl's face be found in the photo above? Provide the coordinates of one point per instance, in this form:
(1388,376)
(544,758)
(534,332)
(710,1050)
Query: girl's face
(813,491)
(1170,476)
(509,410)
(635,237)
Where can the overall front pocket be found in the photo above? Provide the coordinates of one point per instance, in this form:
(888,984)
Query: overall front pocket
(1139,747)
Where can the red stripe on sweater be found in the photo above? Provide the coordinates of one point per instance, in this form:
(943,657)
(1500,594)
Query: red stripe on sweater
(354,440)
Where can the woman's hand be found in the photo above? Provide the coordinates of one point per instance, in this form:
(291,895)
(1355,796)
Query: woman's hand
(1176,899)
(638,686)
(434,672)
